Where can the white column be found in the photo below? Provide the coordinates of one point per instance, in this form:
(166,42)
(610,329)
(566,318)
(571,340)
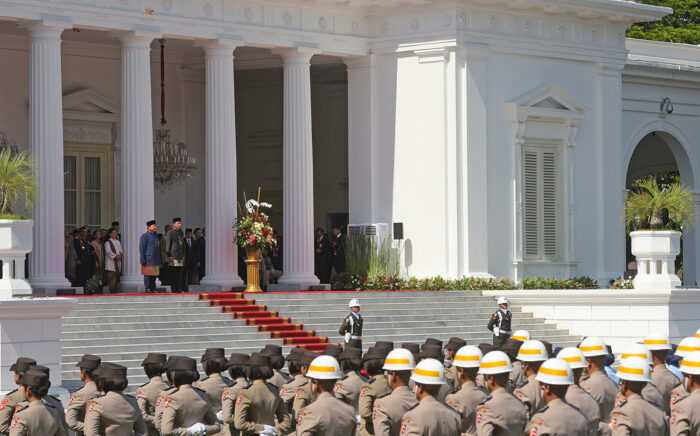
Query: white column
(46,145)
(221,196)
(137,196)
(298,170)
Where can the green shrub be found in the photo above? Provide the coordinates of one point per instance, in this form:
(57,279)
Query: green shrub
(551,283)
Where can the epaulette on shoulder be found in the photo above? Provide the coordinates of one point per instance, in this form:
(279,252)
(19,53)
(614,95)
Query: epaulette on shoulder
(204,379)
(228,382)
(542,409)
(272,387)
(485,400)
(171,390)
(372,379)
(54,397)
(145,384)
(413,407)
(199,391)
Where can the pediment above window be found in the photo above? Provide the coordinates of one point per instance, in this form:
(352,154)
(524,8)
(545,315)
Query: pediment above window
(89,105)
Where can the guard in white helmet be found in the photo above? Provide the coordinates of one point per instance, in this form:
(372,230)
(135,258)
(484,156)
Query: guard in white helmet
(429,417)
(557,418)
(499,323)
(598,384)
(327,415)
(532,354)
(388,411)
(664,380)
(686,347)
(575,395)
(635,416)
(469,395)
(351,328)
(650,392)
(501,413)
(685,419)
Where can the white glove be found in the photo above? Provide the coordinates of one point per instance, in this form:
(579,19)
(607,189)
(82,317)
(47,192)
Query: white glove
(496,331)
(347,337)
(197,429)
(220,415)
(358,419)
(268,430)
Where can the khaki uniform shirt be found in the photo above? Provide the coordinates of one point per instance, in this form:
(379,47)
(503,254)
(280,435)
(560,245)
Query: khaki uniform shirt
(185,407)
(665,381)
(430,418)
(7,409)
(146,397)
(583,401)
(214,386)
(302,398)
(279,379)
(517,375)
(377,387)
(288,390)
(348,389)
(160,406)
(465,402)
(388,411)
(558,418)
(637,417)
(75,413)
(228,405)
(677,395)
(55,407)
(501,415)
(327,416)
(451,376)
(114,414)
(603,391)
(258,406)
(530,394)
(37,419)
(685,420)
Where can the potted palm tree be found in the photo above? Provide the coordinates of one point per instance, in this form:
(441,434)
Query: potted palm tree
(17,187)
(656,214)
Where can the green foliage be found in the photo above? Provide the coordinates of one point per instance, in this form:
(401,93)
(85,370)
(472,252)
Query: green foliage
(393,282)
(650,206)
(357,249)
(16,179)
(364,257)
(682,26)
(549,283)
(622,283)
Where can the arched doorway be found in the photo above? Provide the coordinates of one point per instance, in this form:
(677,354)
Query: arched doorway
(660,154)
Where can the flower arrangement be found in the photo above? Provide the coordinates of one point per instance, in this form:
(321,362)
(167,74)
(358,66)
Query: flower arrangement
(253,229)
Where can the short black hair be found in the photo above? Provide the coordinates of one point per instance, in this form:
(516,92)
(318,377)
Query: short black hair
(259,372)
(350,365)
(214,366)
(276,361)
(237,371)
(115,223)
(559,390)
(433,390)
(39,391)
(188,230)
(184,377)
(373,366)
(294,367)
(500,379)
(327,385)
(153,369)
(114,385)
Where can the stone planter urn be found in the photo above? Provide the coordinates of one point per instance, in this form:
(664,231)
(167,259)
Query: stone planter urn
(656,253)
(15,243)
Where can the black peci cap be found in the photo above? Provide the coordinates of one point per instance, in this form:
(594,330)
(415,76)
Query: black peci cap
(333,350)
(154,358)
(35,378)
(238,359)
(150,223)
(259,360)
(22,364)
(213,353)
(89,361)
(182,363)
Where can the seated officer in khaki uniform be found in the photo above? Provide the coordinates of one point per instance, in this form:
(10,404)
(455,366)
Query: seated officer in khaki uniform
(598,384)
(576,396)
(237,367)
(114,413)
(664,380)
(327,415)
(468,395)
(75,413)
(557,418)
(532,354)
(147,394)
(388,411)
(635,416)
(430,416)
(38,418)
(13,398)
(685,420)
(214,362)
(348,388)
(375,388)
(274,353)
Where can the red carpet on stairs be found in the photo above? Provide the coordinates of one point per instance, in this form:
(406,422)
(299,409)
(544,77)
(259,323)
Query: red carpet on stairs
(279,327)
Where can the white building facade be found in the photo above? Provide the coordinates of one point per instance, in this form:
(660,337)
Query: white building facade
(502,134)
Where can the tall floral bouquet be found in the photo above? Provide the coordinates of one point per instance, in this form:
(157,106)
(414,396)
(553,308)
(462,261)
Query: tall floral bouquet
(253,229)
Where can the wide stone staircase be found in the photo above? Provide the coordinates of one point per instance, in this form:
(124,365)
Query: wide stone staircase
(123,329)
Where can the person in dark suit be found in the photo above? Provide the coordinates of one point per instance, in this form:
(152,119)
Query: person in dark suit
(322,256)
(200,250)
(191,261)
(175,240)
(149,253)
(338,250)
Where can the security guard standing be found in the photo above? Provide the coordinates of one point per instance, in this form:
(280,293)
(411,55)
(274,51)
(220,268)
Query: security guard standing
(532,353)
(348,388)
(685,420)
(501,413)
(635,416)
(214,362)
(576,396)
(499,323)
(237,368)
(664,380)
(13,398)
(557,418)
(598,384)
(351,328)
(468,395)
(388,411)
(327,415)
(38,418)
(147,394)
(114,413)
(186,409)
(75,413)
(375,388)
(430,416)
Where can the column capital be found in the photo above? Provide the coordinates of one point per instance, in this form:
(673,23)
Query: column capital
(48,29)
(138,39)
(220,46)
(296,56)
(359,62)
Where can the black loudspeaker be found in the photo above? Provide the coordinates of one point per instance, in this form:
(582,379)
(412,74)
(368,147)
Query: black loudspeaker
(398,231)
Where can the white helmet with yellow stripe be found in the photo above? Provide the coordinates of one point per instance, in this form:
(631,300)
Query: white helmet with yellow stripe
(636,350)
(574,357)
(657,342)
(399,359)
(324,368)
(555,372)
(687,346)
(495,362)
(593,347)
(532,351)
(468,356)
(429,372)
(635,369)
(521,335)
(691,364)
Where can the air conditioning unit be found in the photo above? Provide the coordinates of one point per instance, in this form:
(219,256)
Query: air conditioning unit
(378,231)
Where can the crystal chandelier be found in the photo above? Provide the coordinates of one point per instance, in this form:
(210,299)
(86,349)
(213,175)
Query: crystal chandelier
(172,163)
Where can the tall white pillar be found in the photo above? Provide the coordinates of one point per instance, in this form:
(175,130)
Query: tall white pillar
(221,197)
(298,172)
(137,196)
(46,145)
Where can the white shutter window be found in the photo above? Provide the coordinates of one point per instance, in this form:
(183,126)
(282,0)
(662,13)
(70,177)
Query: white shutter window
(541,203)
